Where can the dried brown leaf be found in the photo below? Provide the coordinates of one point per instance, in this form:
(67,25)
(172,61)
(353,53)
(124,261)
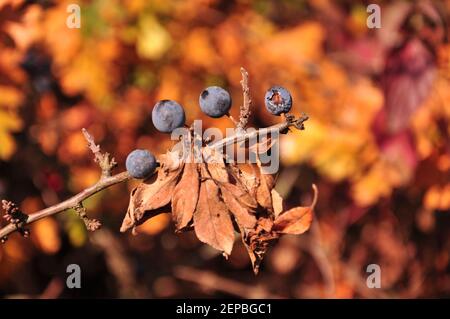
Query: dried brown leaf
(257,241)
(151,195)
(265,183)
(245,177)
(277,202)
(212,221)
(265,224)
(296,220)
(171,160)
(216,165)
(263,192)
(241,195)
(185,196)
(232,197)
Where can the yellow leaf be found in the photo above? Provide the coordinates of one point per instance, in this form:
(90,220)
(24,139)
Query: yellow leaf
(9,122)
(153,39)
(7,145)
(373,185)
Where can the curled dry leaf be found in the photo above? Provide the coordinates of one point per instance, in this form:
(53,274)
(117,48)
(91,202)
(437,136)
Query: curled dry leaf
(185,196)
(186,193)
(277,202)
(152,194)
(263,191)
(257,241)
(241,195)
(215,164)
(171,160)
(245,177)
(296,220)
(231,195)
(212,221)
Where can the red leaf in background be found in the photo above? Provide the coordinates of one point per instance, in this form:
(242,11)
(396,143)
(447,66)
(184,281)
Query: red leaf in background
(407,81)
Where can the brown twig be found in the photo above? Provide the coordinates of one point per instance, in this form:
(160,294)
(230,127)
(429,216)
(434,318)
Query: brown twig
(69,203)
(106,180)
(267,131)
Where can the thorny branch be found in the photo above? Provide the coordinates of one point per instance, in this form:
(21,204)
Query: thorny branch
(15,217)
(17,220)
(245,112)
(280,128)
(107,163)
(104,160)
(91,224)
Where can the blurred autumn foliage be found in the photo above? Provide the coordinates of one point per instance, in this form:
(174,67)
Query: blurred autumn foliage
(377,143)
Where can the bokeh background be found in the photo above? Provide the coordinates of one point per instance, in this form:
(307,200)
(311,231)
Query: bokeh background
(377,143)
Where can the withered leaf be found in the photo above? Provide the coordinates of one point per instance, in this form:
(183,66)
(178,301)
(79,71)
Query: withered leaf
(265,224)
(257,242)
(215,164)
(263,192)
(171,160)
(241,195)
(277,202)
(296,220)
(232,195)
(185,196)
(150,195)
(159,193)
(129,219)
(244,175)
(212,221)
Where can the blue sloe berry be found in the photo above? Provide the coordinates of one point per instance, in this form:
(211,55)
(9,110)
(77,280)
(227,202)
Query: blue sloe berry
(215,101)
(168,115)
(278,100)
(140,163)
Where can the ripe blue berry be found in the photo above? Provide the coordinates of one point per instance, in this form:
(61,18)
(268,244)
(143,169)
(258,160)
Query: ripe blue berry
(140,163)
(168,115)
(278,100)
(215,101)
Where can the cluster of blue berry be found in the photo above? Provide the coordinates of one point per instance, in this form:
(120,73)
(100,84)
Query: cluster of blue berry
(168,115)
